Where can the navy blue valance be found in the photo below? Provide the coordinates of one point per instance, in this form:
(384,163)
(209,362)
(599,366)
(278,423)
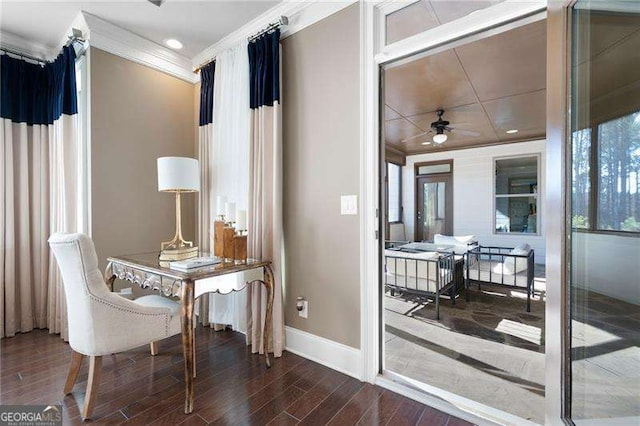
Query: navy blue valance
(264,65)
(36,94)
(206,93)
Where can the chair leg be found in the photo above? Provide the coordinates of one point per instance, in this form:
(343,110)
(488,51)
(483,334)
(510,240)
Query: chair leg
(95,365)
(154,348)
(74,369)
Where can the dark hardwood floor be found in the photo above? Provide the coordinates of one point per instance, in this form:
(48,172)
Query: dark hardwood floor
(233,386)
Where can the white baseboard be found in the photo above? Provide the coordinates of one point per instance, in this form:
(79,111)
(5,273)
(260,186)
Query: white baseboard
(334,355)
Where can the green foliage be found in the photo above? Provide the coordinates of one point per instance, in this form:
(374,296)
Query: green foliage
(579,221)
(630,224)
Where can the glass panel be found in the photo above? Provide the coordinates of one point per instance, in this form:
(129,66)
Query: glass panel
(433,169)
(604,268)
(434,209)
(424,15)
(516,214)
(517,176)
(581,180)
(619,168)
(393,175)
(409,21)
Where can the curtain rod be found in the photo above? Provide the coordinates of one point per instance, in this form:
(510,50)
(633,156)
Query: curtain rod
(282,21)
(41,61)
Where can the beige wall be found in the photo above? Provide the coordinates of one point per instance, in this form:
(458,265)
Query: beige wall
(321,78)
(137,115)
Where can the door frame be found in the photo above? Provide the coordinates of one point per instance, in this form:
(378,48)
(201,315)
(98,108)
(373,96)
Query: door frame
(374,54)
(449,193)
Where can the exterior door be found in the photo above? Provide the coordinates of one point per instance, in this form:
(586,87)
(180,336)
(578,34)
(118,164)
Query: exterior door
(434,214)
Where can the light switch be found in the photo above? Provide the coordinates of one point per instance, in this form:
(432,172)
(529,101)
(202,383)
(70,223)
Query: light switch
(349,205)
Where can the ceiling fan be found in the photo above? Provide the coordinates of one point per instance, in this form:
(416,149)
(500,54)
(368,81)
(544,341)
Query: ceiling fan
(439,127)
(157,2)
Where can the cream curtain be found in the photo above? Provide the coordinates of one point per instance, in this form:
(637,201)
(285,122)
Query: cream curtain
(24,218)
(230,161)
(38,179)
(206,209)
(265,238)
(39,183)
(265,222)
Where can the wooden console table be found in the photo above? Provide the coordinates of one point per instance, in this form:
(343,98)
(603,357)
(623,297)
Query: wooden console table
(144,270)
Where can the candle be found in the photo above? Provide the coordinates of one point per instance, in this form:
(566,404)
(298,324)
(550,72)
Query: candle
(220,205)
(230,211)
(242,220)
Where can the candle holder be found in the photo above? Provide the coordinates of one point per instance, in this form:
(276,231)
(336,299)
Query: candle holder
(228,234)
(218,236)
(240,246)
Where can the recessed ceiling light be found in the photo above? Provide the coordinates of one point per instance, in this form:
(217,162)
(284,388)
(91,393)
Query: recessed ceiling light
(512,131)
(173,43)
(426,143)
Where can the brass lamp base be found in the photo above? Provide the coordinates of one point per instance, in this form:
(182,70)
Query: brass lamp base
(177,242)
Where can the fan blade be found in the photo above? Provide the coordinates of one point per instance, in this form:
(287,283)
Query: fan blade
(465,132)
(416,136)
(157,2)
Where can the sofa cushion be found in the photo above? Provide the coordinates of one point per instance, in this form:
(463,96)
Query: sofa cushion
(460,243)
(513,265)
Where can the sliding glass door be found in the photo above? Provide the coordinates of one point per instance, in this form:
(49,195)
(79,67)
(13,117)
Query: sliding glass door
(604,236)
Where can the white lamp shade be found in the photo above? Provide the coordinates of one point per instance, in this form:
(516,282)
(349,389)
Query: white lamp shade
(178,174)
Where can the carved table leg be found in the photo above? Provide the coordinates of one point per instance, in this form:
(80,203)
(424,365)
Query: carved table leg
(109,276)
(188,348)
(268,321)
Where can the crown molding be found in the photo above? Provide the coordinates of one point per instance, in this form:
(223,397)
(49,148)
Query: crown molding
(301,14)
(118,41)
(22,45)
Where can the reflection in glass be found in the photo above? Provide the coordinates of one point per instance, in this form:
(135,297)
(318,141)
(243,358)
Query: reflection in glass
(604,278)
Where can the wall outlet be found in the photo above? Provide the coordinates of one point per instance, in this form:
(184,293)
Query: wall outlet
(304,313)
(349,205)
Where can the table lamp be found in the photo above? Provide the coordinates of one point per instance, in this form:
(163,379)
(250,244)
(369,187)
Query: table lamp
(179,175)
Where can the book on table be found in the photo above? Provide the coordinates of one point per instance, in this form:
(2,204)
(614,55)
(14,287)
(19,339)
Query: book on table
(189,264)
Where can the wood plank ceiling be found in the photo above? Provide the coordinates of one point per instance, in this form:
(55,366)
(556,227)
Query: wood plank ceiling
(498,83)
(488,86)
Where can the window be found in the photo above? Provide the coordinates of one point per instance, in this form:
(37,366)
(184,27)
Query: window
(394,193)
(516,195)
(614,183)
(619,169)
(83,159)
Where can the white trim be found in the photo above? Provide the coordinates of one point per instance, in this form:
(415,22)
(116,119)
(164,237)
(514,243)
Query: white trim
(369,190)
(22,45)
(372,18)
(118,41)
(300,14)
(334,355)
(478,21)
(87,121)
(449,403)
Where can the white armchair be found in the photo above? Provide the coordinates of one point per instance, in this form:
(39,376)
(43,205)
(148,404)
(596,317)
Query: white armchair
(102,322)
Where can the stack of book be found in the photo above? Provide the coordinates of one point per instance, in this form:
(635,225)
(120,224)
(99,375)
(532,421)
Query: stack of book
(167,256)
(198,262)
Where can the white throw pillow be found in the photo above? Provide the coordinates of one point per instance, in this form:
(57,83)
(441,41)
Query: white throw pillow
(513,265)
(460,243)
